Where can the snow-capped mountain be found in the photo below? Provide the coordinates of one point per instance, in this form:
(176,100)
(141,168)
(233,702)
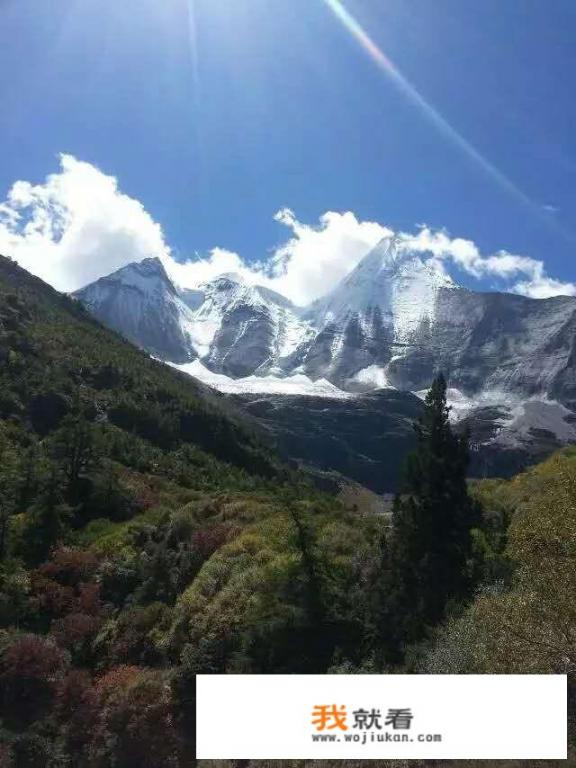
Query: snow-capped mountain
(375,311)
(142,303)
(319,376)
(393,281)
(235,329)
(495,342)
(239,329)
(395,320)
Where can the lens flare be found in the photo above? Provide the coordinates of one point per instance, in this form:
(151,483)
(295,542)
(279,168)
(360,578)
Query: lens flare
(432,114)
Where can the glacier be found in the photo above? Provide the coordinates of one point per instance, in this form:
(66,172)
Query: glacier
(296,384)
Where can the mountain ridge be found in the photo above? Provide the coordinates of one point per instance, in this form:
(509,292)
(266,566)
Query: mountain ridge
(394,320)
(392,323)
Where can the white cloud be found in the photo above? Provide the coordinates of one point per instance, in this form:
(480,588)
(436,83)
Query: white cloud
(544,287)
(502,265)
(201,269)
(78,226)
(310,263)
(315,259)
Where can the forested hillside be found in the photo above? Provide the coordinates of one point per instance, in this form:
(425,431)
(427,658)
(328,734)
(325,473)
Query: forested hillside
(127,493)
(146,535)
(522,618)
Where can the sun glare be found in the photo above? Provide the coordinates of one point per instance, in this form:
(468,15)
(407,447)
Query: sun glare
(431,113)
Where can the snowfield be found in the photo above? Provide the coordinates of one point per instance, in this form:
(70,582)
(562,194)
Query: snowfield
(297,384)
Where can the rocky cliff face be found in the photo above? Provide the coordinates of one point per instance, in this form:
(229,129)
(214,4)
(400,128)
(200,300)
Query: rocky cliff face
(368,436)
(240,329)
(496,342)
(234,328)
(140,302)
(365,438)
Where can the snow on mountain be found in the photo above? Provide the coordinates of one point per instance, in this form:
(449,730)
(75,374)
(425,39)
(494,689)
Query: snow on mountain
(393,322)
(148,276)
(235,328)
(384,306)
(217,297)
(382,333)
(238,330)
(397,282)
(228,298)
(142,303)
(296,384)
(373,377)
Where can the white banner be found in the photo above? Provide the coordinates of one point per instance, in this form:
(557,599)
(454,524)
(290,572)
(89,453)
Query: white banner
(447,717)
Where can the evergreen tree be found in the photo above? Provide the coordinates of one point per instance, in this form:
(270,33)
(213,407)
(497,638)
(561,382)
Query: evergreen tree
(306,546)
(47,522)
(428,563)
(74,447)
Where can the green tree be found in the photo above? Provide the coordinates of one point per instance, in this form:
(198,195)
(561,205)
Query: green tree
(307,548)
(74,447)
(428,562)
(47,522)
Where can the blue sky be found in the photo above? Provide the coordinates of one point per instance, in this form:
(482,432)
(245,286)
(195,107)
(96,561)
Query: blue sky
(215,114)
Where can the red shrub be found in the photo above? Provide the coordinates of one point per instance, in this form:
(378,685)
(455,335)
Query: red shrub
(77,709)
(75,630)
(56,600)
(6,759)
(51,597)
(30,669)
(70,566)
(89,599)
(137,717)
(116,679)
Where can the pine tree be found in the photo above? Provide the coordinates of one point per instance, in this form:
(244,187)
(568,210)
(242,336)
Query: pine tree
(47,522)
(73,446)
(431,544)
(306,546)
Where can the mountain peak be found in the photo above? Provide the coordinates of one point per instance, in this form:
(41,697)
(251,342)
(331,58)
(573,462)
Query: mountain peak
(141,301)
(233,277)
(392,277)
(392,258)
(152,264)
(147,276)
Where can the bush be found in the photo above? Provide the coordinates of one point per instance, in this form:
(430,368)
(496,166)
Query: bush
(30,670)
